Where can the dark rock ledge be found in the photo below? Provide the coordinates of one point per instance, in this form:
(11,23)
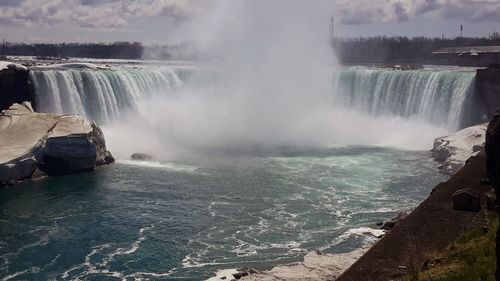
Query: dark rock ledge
(52,144)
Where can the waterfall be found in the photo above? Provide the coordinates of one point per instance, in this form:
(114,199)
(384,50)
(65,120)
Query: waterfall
(438,97)
(102,95)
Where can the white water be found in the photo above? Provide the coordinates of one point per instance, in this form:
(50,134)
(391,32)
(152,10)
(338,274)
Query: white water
(104,95)
(434,96)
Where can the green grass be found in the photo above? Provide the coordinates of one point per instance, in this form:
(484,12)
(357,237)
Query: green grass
(471,258)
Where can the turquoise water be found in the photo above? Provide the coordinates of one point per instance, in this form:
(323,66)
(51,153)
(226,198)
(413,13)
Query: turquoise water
(188,219)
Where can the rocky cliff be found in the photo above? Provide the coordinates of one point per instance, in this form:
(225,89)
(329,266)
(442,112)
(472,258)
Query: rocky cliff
(53,144)
(15,84)
(488,88)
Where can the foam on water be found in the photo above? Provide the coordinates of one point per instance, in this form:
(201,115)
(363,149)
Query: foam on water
(158,165)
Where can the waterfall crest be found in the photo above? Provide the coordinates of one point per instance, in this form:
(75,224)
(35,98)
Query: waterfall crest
(102,95)
(438,97)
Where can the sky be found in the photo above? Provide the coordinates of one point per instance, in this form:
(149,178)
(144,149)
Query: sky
(170,21)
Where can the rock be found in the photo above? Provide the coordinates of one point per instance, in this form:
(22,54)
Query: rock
(238,275)
(454,150)
(314,267)
(487,88)
(492,150)
(389,225)
(52,143)
(20,169)
(104,157)
(141,157)
(15,85)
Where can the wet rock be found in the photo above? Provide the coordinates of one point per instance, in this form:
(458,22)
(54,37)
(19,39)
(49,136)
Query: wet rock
(54,144)
(141,157)
(389,225)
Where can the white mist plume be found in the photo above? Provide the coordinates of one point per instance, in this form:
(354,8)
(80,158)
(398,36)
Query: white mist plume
(273,89)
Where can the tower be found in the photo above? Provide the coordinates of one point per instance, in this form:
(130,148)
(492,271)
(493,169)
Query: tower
(332,28)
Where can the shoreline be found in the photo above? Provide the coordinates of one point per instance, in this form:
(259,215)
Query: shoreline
(428,230)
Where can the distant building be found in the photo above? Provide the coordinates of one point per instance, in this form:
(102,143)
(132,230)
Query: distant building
(469,56)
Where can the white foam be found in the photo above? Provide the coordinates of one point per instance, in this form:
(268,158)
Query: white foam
(158,165)
(10,65)
(89,268)
(80,65)
(370,235)
(225,274)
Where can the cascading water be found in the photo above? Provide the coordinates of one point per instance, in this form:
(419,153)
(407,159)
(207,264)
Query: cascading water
(437,97)
(103,95)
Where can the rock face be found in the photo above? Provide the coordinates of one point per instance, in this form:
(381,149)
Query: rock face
(492,150)
(488,88)
(14,84)
(454,150)
(51,143)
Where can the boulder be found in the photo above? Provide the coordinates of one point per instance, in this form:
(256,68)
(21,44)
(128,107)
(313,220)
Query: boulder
(389,225)
(141,157)
(454,150)
(54,144)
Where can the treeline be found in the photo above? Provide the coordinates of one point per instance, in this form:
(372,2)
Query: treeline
(401,49)
(117,50)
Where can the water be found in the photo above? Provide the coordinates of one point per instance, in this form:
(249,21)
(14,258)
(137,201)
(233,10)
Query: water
(435,96)
(249,173)
(186,220)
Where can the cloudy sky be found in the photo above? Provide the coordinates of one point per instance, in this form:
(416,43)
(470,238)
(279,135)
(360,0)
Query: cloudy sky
(168,21)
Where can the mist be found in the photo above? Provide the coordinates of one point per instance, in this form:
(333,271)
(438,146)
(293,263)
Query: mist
(272,90)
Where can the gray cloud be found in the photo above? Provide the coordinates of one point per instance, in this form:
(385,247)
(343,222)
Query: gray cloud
(88,13)
(471,10)
(367,11)
(118,13)
(10,3)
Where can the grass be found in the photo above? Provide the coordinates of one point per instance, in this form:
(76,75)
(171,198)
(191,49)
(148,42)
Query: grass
(470,258)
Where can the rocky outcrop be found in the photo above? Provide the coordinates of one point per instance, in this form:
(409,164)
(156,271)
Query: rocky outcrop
(389,225)
(454,150)
(54,144)
(14,84)
(316,266)
(488,88)
(141,157)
